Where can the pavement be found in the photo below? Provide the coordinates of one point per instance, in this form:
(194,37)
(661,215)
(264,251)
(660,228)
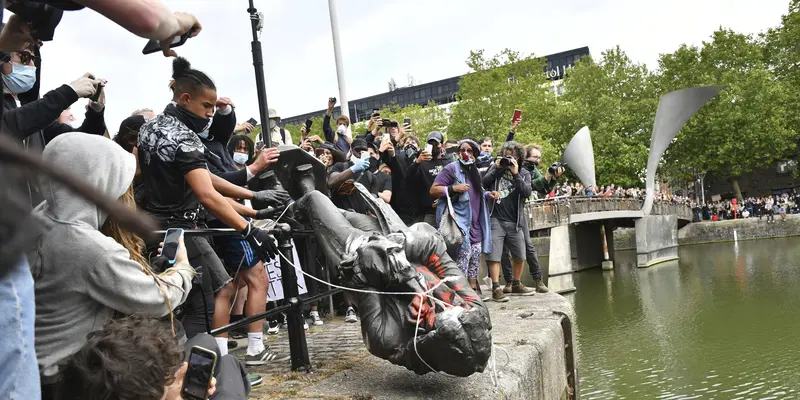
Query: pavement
(530,358)
(332,347)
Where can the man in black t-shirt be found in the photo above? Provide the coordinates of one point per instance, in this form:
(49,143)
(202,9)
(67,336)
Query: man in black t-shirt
(344,174)
(513,185)
(177,183)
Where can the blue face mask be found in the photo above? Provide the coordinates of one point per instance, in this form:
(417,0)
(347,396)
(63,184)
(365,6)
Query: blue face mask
(203,134)
(21,79)
(240,158)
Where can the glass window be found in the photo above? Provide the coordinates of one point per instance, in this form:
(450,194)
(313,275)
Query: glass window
(424,93)
(416,94)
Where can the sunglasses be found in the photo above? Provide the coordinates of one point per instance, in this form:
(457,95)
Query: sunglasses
(26,58)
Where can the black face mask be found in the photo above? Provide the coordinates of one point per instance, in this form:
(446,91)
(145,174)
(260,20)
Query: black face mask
(436,151)
(410,151)
(373,164)
(529,165)
(193,122)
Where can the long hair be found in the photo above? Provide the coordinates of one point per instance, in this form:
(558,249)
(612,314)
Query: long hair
(472,169)
(135,245)
(129,240)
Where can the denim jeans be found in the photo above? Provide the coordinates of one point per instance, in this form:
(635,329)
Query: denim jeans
(20,377)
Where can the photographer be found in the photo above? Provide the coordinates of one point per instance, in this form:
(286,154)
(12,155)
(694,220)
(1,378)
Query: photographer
(41,116)
(421,175)
(511,186)
(542,185)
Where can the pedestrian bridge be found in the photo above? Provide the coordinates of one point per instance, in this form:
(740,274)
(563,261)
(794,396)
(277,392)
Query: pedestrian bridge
(581,232)
(548,213)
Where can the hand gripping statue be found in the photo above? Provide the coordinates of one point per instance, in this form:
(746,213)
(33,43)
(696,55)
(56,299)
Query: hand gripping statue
(448,330)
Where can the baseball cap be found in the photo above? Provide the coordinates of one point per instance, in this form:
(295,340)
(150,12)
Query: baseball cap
(437,136)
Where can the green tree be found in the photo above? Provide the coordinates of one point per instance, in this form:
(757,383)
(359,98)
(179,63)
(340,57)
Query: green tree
(423,119)
(496,87)
(782,54)
(743,128)
(617,99)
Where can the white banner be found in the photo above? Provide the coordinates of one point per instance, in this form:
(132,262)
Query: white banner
(274,273)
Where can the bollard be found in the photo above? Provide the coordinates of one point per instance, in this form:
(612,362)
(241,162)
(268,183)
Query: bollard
(298,348)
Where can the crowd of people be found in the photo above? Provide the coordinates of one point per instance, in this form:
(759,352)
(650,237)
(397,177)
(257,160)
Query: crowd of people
(766,207)
(102,298)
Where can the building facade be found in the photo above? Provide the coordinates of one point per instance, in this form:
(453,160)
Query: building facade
(441,92)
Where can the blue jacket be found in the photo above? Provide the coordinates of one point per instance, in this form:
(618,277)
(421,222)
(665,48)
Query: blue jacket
(464,212)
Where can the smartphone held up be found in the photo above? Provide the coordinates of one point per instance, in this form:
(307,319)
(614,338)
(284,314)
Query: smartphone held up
(171,243)
(198,376)
(154,46)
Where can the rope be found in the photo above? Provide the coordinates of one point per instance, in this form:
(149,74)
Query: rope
(423,296)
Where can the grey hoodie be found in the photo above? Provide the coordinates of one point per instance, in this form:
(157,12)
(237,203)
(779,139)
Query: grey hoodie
(82,276)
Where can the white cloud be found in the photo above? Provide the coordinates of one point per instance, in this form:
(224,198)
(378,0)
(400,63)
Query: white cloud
(428,39)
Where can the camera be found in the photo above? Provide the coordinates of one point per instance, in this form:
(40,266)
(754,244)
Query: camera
(505,162)
(553,169)
(42,19)
(387,123)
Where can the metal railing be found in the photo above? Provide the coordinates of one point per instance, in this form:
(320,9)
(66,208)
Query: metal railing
(293,302)
(548,213)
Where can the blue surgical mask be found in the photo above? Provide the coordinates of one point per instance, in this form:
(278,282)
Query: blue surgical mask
(240,158)
(203,134)
(21,79)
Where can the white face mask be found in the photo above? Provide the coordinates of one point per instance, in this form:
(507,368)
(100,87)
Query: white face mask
(21,79)
(240,158)
(344,130)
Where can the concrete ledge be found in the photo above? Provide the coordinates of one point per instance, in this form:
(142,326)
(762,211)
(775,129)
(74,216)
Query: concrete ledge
(527,328)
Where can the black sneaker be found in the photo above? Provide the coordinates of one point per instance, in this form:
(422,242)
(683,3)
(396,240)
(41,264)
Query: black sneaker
(232,344)
(262,358)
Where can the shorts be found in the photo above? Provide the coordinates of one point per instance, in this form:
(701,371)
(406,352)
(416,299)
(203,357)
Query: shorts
(236,253)
(202,254)
(506,235)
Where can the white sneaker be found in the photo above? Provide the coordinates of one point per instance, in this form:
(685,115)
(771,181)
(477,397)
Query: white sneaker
(350,315)
(273,328)
(305,326)
(315,319)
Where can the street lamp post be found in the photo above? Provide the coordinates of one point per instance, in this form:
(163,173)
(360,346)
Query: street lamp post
(337,55)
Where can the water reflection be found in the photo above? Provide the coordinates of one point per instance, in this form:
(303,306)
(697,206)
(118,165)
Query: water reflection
(718,323)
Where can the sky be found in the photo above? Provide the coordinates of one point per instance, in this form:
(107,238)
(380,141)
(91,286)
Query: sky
(426,39)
